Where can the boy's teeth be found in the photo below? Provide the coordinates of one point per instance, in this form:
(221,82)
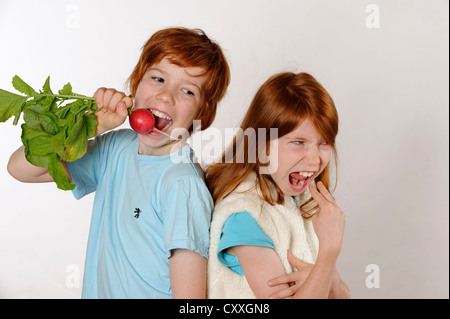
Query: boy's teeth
(160,115)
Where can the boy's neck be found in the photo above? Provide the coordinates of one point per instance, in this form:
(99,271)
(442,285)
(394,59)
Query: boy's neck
(162,150)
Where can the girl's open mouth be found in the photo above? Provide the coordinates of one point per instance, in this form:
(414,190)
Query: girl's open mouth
(162,120)
(299,180)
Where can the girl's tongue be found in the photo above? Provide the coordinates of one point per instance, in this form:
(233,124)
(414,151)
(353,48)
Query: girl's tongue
(296,178)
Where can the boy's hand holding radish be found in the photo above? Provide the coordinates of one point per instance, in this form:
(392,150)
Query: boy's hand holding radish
(113,107)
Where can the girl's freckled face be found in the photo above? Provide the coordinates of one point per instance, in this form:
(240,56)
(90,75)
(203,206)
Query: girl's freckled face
(300,156)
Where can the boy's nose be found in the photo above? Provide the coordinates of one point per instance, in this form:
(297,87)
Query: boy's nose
(166,96)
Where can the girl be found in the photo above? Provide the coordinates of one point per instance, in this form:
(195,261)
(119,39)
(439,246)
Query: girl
(267,216)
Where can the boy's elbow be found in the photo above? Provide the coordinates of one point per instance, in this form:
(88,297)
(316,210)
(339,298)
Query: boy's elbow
(14,170)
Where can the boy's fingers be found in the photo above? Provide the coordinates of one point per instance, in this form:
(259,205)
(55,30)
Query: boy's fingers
(122,109)
(115,101)
(107,97)
(128,102)
(99,96)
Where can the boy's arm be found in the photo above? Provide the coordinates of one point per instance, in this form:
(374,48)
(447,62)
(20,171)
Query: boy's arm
(113,104)
(187,274)
(24,171)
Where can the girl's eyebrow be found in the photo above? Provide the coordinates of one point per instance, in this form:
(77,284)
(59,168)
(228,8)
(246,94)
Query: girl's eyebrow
(295,137)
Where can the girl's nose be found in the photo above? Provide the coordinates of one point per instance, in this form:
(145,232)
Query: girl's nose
(312,157)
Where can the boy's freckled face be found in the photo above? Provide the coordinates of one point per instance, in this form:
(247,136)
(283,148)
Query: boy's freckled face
(174,95)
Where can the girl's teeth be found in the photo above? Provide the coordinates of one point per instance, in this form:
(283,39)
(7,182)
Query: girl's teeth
(306,174)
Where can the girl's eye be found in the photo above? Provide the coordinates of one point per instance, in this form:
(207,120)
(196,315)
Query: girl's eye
(298,142)
(158,79)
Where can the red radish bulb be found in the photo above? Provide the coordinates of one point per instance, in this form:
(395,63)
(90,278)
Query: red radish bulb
(142,121)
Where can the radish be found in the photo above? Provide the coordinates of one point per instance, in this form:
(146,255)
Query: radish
(142,121)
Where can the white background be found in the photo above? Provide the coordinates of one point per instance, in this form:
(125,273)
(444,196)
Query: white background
(389,82)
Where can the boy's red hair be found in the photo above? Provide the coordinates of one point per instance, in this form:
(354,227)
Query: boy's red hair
(187,48)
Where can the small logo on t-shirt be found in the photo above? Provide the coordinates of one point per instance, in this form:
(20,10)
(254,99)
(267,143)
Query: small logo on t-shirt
(137,211)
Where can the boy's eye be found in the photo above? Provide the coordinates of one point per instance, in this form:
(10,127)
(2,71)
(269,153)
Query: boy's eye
(188,92)
(158,79)
(298,142)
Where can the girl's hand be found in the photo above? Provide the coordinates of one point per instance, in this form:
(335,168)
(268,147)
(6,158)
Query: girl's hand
(294,279)
(113,107)
(328,222)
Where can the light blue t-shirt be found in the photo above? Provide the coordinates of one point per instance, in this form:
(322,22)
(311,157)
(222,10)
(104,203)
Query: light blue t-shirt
(240,229)
(144,207)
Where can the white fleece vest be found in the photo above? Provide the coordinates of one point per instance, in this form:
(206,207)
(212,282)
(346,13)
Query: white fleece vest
(283,224)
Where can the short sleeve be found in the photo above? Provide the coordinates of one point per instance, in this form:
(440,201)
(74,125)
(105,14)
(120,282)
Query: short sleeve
(84,171)
(186,215)
(240,229)
(87,171)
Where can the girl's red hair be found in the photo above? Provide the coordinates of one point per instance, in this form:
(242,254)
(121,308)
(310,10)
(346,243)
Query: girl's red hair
(282,102)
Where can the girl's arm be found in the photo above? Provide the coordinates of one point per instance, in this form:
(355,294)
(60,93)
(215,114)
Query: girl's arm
(329,224)
(338,289)
(187,274)
(259,265)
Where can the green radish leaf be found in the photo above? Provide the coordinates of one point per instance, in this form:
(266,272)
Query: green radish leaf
(40,145)
(91,124)
(56,126)
(22,87)
(57,142)
(78,146)
(57,172)
(10,105)
(66,90)
(46,88)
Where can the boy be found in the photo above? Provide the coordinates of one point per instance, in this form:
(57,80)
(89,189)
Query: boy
(149,232)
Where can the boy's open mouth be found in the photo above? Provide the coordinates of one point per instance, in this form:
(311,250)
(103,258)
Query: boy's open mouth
(299,180)
(162,120)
